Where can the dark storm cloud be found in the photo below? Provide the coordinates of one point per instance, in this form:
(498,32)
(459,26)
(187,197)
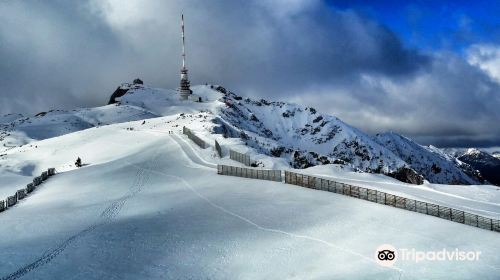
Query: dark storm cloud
(70,54)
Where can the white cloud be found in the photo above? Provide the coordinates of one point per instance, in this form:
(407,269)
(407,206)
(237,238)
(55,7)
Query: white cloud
(486,57)
(62,54)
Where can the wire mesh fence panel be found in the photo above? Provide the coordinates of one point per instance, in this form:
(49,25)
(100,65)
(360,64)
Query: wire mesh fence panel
(305,181)
(457,216)
(433,209)
(324,184)
(218,148)
(380,197)
(11,201)
(330,185)
(194,138)
(30,188)
(372,195)
(400,202)
(278,177)
(445,212)
(390,199)
(21,194)
(421,207)
(316,183)
(239,157)
(484,223)
(496,225)
(2,205)
(411,205)
(312,182)
(263,174)
(363,193)
(347,189)
(470,219)
(355,191)
(52,171)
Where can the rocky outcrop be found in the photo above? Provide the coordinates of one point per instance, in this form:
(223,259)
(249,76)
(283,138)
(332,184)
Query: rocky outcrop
(408,176)
(123,89)
(488,165)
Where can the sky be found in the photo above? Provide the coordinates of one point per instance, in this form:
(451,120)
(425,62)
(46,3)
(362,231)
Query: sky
(429,70)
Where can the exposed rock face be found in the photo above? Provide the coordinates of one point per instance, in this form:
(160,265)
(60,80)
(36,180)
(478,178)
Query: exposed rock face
(123,89)
(138,82)
(119,92)
(408,176)
(305,137)
(432,163)
(488,165)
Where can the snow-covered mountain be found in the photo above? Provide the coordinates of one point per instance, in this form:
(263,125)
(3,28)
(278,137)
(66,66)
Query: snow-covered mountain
(296,135)
(148,197)
(488,165)
(306,137)
(435,165)
(23,130)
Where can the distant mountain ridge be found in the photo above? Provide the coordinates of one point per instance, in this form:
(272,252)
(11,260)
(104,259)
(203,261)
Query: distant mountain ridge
(300,135)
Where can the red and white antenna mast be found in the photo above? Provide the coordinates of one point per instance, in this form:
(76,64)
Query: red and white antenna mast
(183,43)
(184,89)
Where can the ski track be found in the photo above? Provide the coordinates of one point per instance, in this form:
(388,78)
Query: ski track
(263,228)
(191,153)
(106,216)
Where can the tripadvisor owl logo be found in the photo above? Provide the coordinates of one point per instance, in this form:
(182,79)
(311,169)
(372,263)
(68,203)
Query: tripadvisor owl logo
(386,255)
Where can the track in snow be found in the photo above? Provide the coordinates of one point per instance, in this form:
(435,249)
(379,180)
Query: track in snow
(107,215)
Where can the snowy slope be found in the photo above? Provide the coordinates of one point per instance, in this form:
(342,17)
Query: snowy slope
(150,206)
(276,134)
(10,118)
(432,163)
(54,123)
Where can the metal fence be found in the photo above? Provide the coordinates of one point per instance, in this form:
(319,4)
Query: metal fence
(194,138)
(263,174)
(243,158)
(376,196)
(24,192)
(218,149)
